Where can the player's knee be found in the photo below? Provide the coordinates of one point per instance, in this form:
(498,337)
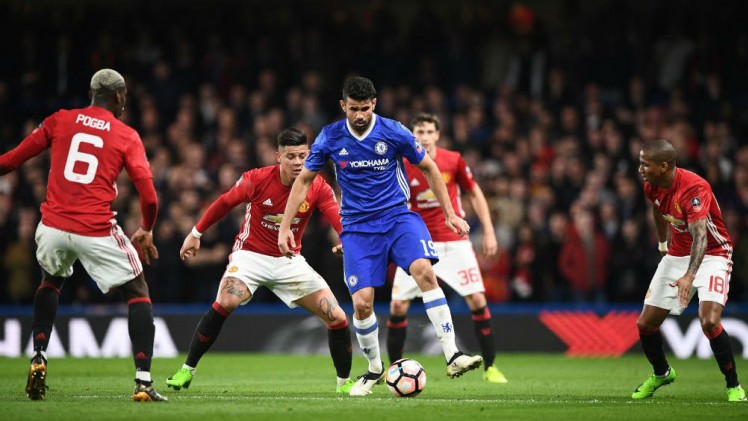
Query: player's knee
(398,307)
(422,271)
(362,309)
(709,325)
(337,315)
(645,327)
(135,288)
(476,301)
(231,301)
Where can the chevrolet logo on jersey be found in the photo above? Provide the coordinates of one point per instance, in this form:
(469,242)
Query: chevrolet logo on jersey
(678,224)
(278,218)
(427,199)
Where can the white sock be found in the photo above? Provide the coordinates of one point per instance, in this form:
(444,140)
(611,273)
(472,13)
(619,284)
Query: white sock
(143,376)
(367,333)
(192,369)
(440,316)
(342,381)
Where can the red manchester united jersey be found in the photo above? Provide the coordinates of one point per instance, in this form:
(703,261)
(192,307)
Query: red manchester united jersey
(89,148)
(266,199)
(457,177)
(690,198)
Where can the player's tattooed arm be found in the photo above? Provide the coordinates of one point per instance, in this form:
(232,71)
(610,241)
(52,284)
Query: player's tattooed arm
(698,247)
(326,308)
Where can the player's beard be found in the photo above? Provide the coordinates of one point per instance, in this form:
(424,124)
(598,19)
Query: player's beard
(360,126)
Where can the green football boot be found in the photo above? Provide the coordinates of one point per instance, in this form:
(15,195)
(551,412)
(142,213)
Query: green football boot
(345,387)
(181,379)
(494,375)
(736,394)
(648,387)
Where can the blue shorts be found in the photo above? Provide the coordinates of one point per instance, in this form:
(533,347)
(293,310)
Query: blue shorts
(401,239)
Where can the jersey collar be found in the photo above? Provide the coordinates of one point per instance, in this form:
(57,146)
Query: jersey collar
(366,133)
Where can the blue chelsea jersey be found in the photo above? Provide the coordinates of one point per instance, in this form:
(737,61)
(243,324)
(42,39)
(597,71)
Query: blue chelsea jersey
(369,168)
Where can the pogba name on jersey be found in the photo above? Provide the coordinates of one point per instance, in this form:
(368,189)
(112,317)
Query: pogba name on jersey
(93,123)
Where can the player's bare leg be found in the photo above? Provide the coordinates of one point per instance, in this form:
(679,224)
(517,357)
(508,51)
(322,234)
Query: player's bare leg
(710,316)
(231,293)
(367,333)
(438,312)
(323,304)
(46,301)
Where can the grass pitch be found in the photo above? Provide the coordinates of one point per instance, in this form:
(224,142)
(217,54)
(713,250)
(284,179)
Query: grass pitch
(290,387)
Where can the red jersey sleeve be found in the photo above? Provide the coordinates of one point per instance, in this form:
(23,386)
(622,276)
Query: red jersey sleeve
(241,192)
(696,202)
(464,175)
(136,162)
(328,206)
(148,202)
(31,146)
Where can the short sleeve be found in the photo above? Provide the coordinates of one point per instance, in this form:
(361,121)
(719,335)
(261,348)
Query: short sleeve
(408,146)
(696,202)
(464,176)
(319,155)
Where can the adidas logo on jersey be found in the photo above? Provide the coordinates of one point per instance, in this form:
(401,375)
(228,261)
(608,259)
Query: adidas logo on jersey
(414,183)
(657,202)
(268,202)
(343,152)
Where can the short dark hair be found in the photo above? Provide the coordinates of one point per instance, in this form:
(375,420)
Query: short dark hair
(358,88)
(292,137)
(660,150)
(425,118)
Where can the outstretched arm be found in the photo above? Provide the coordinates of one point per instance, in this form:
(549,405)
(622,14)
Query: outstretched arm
(28,148)
(436,183)
(216,211)
(478,200)
(299,190)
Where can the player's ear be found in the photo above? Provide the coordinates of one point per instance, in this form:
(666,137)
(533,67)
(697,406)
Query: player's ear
(373,104)
(342,105)
(278,156)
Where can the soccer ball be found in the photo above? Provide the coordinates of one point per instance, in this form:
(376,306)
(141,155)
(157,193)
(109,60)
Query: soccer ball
(406,378)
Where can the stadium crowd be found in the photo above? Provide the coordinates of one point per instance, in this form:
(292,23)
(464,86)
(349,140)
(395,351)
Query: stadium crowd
(549,107)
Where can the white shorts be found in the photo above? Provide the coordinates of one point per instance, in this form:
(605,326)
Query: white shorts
(289,279)
(712,282)
(110,261)
(457,266)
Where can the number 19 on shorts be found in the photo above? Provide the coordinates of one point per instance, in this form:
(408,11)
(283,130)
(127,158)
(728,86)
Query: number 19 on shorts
(428,248)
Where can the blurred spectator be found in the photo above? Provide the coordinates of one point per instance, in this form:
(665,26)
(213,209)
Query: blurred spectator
(549,113)
(583,260)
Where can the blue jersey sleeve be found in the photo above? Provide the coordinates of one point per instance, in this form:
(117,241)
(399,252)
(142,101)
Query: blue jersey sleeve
(319,155)
(408,145)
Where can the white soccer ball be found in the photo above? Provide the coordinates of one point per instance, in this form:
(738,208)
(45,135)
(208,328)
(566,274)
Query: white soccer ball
(406,378)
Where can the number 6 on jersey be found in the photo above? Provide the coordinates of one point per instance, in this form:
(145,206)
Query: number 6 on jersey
(77,156)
